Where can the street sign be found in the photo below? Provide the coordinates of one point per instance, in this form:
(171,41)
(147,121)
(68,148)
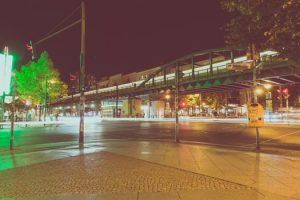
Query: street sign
(6,62)
(268,95)
(9,99)
(255,115)
(269,105)
(241,66)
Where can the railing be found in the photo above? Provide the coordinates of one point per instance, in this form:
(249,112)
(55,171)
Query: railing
(218,70)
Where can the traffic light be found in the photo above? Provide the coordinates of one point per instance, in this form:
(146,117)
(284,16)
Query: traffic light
(285,91)
(72,77)
(182,104)
(29,47)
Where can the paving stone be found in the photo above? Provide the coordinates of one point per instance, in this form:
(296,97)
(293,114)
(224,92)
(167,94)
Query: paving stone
(158,195)
(104,172)
(224,195)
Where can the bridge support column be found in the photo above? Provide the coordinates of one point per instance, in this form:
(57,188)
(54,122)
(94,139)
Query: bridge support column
(117,114)
(133,107)
(210,63)
(165,76)
(149,108)
(193,68)
(176,103)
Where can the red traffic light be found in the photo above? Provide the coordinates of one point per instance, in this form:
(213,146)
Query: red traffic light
(29,47)
(285,91)
(72,77)
(182,104)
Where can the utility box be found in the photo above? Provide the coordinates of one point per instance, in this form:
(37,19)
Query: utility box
(255,115)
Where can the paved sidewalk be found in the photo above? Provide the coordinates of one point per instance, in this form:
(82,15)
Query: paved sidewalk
(121,169)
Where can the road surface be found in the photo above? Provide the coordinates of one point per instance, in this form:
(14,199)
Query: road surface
(224,134)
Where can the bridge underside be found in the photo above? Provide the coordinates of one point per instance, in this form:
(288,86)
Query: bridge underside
(279,73)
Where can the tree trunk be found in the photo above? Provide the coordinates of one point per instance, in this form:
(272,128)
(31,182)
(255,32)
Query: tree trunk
(40,113)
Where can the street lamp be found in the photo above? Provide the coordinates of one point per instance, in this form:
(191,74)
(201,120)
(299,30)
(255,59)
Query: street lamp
(267,86)
(168,96)
(258,91)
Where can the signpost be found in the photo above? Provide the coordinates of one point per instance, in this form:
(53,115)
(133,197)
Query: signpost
(5,73)
(6,63)
(5,78)
(255,115)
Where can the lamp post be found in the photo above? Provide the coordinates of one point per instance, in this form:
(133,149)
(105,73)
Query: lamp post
(45,100)
(176,103)
(82,74)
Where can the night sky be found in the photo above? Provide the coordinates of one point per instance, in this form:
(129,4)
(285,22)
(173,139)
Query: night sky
(122,35)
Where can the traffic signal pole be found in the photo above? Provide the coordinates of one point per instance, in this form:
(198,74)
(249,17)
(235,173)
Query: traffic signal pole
(254,93)
(176,103)
(82,74)
(13,110)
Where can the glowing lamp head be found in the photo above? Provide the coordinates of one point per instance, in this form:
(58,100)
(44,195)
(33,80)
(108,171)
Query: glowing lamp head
(258,91)
(268,86)
(168,96)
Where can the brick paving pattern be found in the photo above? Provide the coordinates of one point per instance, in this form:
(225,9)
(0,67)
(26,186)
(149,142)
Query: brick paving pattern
(104,172)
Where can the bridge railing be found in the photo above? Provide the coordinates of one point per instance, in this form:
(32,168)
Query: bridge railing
(206,72)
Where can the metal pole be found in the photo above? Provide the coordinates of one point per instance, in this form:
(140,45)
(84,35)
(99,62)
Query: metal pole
(3,111)
(176,103)
(117,101)
(82,74)
(12,122)
(193,68)
(149,107)
(280,97)
(165,76)
(32,50)
(200,105)
(254,94)
(231,57)
(210,63)
(287,108)
(45,100)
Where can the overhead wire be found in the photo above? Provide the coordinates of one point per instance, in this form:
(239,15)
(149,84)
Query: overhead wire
(50,33)
(57,32)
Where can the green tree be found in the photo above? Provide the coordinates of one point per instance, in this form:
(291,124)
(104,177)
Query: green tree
(215,100)
(191,100)
(32,77)
(264,24)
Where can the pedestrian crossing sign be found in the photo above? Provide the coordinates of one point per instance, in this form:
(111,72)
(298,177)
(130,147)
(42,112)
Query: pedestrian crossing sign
(255,115)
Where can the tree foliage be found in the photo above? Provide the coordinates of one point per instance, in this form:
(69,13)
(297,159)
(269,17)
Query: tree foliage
(191,100)
(32,77)
(215,100)
(266,24)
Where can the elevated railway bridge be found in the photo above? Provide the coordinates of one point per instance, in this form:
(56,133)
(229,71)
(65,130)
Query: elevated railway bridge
(209,71)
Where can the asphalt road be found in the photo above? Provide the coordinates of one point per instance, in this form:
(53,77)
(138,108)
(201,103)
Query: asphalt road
(225,134)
